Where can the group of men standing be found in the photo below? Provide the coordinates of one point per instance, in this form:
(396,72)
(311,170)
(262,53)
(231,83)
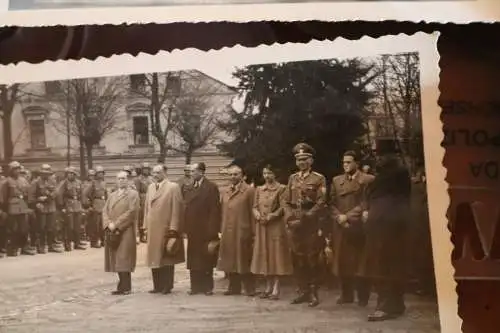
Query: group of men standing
(40,214)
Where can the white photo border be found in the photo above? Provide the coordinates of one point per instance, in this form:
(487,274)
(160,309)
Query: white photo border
(424,44)
(430,11)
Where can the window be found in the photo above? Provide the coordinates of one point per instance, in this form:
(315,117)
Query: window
(53,87)
(141,130)
(137,82)
(174,84)
(37,132)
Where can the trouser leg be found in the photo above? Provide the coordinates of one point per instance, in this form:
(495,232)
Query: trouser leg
(78,231)
(3,236)
(42,230)
(11,235)
(99,228)
(347,290)
(234,283)
(67,228)
(168,278)
(362,290)
(208,280)
(125,283)
(196,280)
(394,301)
(249,283)
(23,233)
(155,272)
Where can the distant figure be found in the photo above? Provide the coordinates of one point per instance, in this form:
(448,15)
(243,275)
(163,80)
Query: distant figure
(120,224)
(366,169)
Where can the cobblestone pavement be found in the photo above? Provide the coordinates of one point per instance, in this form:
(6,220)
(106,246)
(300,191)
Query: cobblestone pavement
(69,292)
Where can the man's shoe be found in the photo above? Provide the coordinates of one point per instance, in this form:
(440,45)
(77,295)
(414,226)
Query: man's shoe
(302,298)
(154,291)
(209,293)
(341,301)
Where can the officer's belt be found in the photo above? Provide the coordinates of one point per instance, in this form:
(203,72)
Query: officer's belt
(304,206)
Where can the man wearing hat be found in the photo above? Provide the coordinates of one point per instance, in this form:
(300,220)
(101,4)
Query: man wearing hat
(94,197)
(145,180)
(69,195)
(386,226)
(304,200)
(163,218)
(41,199)
(13,200)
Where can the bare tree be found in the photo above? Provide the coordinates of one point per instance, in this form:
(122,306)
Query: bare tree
(88,109)
(196,124)
(180,104)
(398,96)
(9,97)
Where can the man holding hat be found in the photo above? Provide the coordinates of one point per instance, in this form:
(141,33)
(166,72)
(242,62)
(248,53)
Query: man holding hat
(41,198)
(163,221)
(94,197)
(13,200)
(305,199)
(69,195)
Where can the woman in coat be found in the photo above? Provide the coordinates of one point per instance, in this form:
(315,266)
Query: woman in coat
(119,218)
(271,253)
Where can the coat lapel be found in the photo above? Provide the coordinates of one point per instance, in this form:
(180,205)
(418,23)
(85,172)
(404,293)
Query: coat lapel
(117,198)
(159,191)
(241,188)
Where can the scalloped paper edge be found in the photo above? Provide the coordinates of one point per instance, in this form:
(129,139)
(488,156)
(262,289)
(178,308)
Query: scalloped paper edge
(430,11)
(424,44)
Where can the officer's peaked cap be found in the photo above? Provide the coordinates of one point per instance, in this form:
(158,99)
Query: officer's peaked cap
(99,169)
(92,172)
(71,170)
(303,150)
(146,165)
(128,168)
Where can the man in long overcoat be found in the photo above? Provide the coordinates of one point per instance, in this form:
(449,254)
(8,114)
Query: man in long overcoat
(202,226)
(163,210)
(119,218)
(238,229)
(304,202)
(347,203)
(384,259)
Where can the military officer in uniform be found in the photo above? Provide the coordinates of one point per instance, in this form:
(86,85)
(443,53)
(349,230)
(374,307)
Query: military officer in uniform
(94,197)
(13,200)
(41,198)
(304,201)
(186,182)
(69,195)
(145,180)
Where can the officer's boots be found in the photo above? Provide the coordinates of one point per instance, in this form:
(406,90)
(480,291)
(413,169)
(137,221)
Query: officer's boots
(313,297)
(142,236)
(28,251)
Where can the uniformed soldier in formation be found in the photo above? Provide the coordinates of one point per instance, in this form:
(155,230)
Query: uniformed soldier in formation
(13,200)
(69,195)
(304,199)
(186,182)
(41,198)
(145,179)
(3,223)
(94,197)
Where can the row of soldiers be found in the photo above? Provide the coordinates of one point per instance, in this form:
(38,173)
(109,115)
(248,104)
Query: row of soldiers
(41,213)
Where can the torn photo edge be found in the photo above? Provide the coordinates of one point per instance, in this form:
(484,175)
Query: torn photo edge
(424,44)
(448,11)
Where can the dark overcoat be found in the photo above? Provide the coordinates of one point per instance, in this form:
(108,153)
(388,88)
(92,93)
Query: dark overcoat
(388,196)
(202,220)
(347,197)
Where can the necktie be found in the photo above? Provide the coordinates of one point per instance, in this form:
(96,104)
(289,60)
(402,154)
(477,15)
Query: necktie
(196,184)
(157,186)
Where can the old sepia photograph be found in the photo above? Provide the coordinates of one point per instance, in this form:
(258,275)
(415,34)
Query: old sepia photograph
(287,190)
(84,12)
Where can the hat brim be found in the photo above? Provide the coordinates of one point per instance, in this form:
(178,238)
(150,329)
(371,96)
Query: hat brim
(303,155)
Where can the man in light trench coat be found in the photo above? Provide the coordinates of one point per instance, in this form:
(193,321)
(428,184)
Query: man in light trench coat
(119,217)
(163,216)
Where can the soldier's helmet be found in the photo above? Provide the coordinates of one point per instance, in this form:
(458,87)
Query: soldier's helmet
(92,172)
(99,169)
(128,169)
(46,169)
(14,165)
(146,165)
(71,169)
(303,150)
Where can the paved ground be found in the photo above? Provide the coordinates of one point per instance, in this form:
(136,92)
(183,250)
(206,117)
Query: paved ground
(62,293)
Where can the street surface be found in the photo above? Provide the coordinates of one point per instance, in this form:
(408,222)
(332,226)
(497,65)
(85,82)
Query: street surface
(62,293)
